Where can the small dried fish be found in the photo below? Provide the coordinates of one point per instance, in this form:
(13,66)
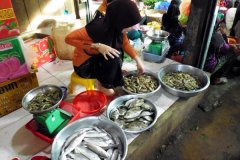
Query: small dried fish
(140,83)
(182,81)
(43,101)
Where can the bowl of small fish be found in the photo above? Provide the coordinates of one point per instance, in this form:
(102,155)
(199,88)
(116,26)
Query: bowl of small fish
(132,113)
(42,99)
(144,85)
(90,138)
(183,80)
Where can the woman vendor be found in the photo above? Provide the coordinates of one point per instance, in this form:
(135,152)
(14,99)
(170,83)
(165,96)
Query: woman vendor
(99,45)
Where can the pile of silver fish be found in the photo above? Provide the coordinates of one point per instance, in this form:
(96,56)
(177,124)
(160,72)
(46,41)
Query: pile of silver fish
(140,83)
(92,144)
(134,115)
(43,101)
(182,81)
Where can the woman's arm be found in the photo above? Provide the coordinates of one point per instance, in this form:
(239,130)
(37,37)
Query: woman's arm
(80,39)
(132,53)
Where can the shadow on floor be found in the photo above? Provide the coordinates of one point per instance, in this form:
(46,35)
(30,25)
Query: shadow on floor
(212,135)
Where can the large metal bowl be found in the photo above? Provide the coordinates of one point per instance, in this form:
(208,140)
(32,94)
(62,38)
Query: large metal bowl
(158,35)
(86,122)
(120,101)
(41,89)
(143,94)
(199,74)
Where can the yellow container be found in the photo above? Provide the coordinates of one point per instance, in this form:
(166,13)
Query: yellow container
(76,80)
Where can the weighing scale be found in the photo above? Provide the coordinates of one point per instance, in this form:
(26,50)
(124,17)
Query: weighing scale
(158,37)
(51,120)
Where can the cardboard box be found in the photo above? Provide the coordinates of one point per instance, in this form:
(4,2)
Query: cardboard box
(8,21)
(43,47)
(12,61)
(12,92)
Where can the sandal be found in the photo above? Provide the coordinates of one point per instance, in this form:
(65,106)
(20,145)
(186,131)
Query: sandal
(221,80)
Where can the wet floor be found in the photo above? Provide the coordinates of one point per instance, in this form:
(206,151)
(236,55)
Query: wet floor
(212,135)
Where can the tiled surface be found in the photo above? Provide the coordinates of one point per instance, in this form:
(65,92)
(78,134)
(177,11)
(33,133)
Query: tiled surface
(18,141)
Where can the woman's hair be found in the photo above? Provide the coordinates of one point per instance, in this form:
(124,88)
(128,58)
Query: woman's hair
(170,18)
(173,11)
(176,2)
(120,14)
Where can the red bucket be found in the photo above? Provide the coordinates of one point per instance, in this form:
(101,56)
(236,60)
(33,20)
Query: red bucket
(90,102)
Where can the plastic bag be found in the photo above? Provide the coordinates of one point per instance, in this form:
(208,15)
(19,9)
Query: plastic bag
(59,32)
(185,7)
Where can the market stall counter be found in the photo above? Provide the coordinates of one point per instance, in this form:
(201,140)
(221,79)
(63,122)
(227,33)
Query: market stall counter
(17,141)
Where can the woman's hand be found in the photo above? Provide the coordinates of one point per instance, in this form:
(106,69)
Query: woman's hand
(105,50)
(140,66)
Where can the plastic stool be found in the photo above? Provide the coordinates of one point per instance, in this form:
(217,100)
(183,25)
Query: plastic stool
(76,80)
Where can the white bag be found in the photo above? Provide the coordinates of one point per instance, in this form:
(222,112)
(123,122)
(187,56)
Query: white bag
(59,32)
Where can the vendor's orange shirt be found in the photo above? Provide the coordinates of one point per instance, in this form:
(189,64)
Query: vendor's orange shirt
(82,43)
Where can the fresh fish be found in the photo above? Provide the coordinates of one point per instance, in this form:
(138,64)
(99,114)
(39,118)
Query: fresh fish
(119,157)
(122,110)
(110,152)
(97,129)
(72,137)
(137,103)
(133,113)
(87,153)
(97,142)
(145,113)
(118,142)
(144,121)
(115,155)
(98,150)
(148,118)
(146,106)
(78,156)
(120,123)
(96,135)
(136,126)
(128,102)
(115,114)
(74,143)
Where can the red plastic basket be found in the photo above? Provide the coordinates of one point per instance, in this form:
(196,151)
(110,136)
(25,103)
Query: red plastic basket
(90,102)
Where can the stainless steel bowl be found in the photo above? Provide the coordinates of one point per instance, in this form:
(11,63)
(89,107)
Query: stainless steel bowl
(41,89)
(143,94)
(120,101)
(158,35)
(199,74)
(86,122)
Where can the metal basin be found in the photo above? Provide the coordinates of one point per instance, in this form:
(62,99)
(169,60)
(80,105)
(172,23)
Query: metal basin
(121,100)
(199,74)
(106,124)
(143,94)
(41,89)
(158,35)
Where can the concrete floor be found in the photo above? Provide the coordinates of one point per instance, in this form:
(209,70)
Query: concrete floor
(212,135)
